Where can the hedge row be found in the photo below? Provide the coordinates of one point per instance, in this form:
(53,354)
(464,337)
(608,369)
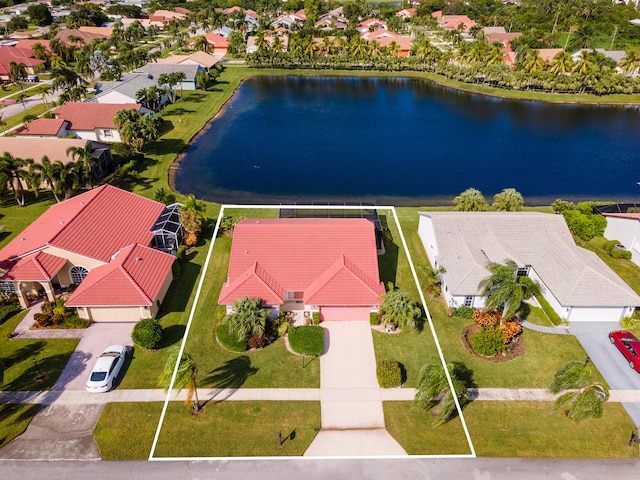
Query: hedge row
(307,339)
(230,340)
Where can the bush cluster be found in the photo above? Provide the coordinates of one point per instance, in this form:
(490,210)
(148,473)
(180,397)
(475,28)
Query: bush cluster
(389,374)
(7,311)
(307,339)
(630,323)
(230,340)
(315,316)
(374,319)
(488,342)
(278,326)
(56,315)
(257,340)
(580,219)
(464,312)
(147,333)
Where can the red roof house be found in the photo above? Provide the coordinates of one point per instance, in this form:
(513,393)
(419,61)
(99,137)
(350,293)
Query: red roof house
(326,265)
(93,121)
(218,43)
(17,55)
(100,242)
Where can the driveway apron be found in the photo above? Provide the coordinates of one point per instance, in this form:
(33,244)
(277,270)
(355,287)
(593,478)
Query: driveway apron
(351,406)
(612,365)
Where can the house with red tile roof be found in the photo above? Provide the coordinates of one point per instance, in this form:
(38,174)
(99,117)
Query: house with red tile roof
(218,43)
(43,128)
(326,265)
(625,227)
(100,242)
(461,23)
(371,25)
(406,13)
(77,38)
(93,121)
(18,55)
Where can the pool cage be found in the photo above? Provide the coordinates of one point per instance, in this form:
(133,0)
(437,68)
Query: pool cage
(167,231)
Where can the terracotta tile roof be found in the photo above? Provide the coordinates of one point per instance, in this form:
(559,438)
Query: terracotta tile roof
(324,258)
(216,40)
(548,54)
(201,58)
(36,148)
(42,126)
(403,43)
(18,55)
(87,37)
(89,116)
(95,224)
(632,216)
(29,43)
(104,32)
(133,278)
(38,267)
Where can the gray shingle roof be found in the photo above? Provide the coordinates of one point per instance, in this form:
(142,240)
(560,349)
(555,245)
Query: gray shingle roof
(129,84)
(468,241)
(157,69)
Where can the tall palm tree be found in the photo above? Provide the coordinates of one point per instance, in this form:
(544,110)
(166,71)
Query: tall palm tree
(532,62)
(12,169)
(585,398)
(50,175)
(433,390)
(630,63)
(83,155)
(21,97)
(44,91)
(562,63)
(186,375)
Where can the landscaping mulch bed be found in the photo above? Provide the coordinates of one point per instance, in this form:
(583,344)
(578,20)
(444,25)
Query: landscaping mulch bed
(514,350)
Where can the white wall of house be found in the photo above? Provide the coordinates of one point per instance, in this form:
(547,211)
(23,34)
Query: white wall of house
(114,96)
(627,232)
(428,237)
(106,135)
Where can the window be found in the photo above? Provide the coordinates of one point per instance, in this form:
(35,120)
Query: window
(7,287)
(468,301)
(523,271)
(77,274)
(107,133)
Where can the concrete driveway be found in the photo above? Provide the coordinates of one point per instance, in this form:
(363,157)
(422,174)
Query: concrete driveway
(612,365)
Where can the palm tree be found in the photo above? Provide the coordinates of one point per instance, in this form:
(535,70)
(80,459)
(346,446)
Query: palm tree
(186,374)
(162,196)
(49,175)
(562,63)
(433,389)
(503,288)
(83,155)
(585,398)
(509,200)
(202,44)
(630,63)
(12,169)
(248,318)
(44,90)
(532,62)
(21,97)
(400,310)
(471,200)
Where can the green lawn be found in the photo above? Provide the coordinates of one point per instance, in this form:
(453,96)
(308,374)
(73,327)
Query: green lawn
(228,429)
(33,364)
(14,419)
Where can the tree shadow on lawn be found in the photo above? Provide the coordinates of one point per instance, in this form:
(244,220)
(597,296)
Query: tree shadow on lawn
(195,97)
(461,371)
(167,145)
(178,112)
(40,376)
(388,263)
(230,376)
(29,350)
(171,335)
(178,296)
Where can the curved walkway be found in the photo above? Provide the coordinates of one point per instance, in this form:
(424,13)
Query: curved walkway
(559,330)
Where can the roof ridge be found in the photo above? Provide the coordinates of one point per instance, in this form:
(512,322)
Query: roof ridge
(98,192)
(261,273)
(129,276)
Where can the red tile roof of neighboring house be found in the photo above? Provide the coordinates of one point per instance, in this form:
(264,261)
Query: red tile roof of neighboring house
(29,43)
(42,126)
(89,115)
(38,267)
(216,40)
(632,216)
(18,55)
(403,42)
(86,37)
(376,34)
(95,224)
(452,22)
(133,278)
(372,21)
(36,148)
(327,259)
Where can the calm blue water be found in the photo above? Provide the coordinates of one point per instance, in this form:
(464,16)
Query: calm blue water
(407,142)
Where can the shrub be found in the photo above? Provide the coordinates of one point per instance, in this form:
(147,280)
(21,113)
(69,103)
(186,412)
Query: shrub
(488,342)
(487,318)
(464,312)
(389,373)
(147,333)
(42,320)
(548,310)
(559,206)
(316,318)
(609,244)
(374,319)
(258,341)
(307,339)
(583,224)
(630,323)
(510,330)
(625,254)
(7,311)
(230,340)
(190,239)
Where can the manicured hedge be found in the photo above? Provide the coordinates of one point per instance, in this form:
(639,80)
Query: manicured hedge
(307,339)
(389,374)
(147,333)
(7,311)
(374,318)
(464,312)
(230,340)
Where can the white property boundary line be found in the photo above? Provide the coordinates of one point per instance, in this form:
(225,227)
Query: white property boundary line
(197,298)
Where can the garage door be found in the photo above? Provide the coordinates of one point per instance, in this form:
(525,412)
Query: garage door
(595,314)
(329,314)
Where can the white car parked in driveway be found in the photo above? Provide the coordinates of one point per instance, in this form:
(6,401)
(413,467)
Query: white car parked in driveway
(106,369)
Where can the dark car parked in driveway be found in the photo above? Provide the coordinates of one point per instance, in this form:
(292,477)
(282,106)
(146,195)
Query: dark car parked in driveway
(628,345)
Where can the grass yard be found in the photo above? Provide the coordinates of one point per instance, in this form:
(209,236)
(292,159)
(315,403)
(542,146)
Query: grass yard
(410,349)
(239,429)
(14,420)
(528,429)
(412,428)
(32,364)
(138,420)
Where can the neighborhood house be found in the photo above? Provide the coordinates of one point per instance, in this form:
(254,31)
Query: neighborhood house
(576,283)
(325,265)
(105,246)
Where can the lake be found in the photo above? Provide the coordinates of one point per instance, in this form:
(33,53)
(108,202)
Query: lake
(405,142)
